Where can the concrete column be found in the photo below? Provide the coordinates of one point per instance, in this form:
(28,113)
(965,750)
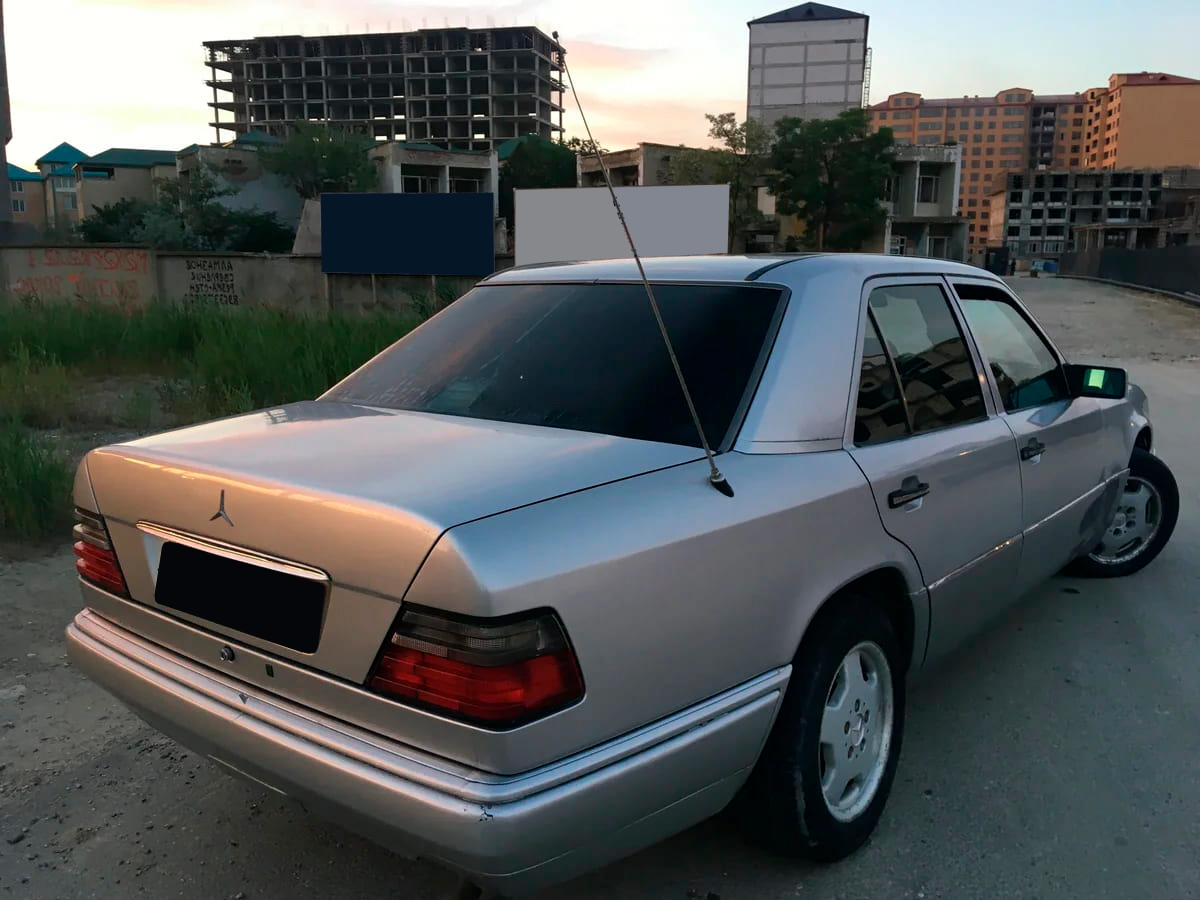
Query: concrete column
(443,179)
(1131,239)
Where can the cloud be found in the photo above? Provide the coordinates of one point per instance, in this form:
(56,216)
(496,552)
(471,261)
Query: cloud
(591,57)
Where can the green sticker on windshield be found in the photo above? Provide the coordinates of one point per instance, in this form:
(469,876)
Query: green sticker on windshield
(1095,378)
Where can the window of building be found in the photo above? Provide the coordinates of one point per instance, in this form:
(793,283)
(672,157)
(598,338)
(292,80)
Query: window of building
(908,101)
(1008,98)
(929,139)
(1078,109)
(992,111)
(991,151)
(978,138)
(903,114)
(992,137)
(64,183)
(974,189)
(978,126)
(987,202)
(970,215)
(1074,148)
(971,229)
(972,203)
(1026,369)
(974,164)
(70,202)
(917,329)
(882,114)
(1010,138)
(931,112)
(989,165)
(1009,163)
(897,101)
(18,205)
(952,111)
(16,187)
(1010,151)
(1014,111)
(1012,124)
(975,176)
(1014,230)
(927,189)
(976,151)
(979,111)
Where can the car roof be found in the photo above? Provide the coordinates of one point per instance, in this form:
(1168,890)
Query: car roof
(749,267)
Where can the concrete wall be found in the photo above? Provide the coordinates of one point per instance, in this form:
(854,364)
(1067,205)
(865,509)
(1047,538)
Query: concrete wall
(34,195)
(134,277)
(1159,126)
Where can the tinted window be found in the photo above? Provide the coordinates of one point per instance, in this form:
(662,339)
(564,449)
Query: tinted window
(880,415)
(1025,368)
(588,357)
(939,383)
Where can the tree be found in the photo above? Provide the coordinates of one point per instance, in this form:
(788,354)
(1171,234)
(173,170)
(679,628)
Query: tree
(740,161)
(536,162)
(319,159)
(188,215)
(832,174)
(582,146)
(114,223)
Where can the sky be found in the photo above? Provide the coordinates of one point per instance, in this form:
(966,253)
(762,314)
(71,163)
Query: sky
(131,73)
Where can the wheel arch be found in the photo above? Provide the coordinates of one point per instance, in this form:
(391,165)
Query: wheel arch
(888,587)
(1144,439)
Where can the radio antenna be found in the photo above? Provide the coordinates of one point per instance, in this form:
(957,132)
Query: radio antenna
(715,478)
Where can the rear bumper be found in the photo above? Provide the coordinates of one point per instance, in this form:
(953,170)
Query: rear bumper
(514,833)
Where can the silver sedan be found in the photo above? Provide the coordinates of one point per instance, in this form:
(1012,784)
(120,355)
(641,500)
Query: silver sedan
(481,602)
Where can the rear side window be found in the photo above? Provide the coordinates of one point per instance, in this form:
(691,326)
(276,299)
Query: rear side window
(921,337)
(1025,368)
(587,357)
(881,415)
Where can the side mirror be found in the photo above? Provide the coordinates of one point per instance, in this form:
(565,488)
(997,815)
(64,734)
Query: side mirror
(1107,382)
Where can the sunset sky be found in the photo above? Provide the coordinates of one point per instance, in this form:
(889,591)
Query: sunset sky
(130,73)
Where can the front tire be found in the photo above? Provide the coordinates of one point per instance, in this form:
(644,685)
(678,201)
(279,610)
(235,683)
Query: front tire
(824,776)
(1144,521)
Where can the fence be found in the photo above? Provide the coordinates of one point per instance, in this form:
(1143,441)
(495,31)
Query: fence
(133,277)
(1175,270)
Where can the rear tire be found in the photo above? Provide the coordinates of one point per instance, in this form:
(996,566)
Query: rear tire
(1145,519)
(823,778)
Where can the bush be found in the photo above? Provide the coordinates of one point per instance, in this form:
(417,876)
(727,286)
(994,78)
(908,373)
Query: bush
(35,485)
(36,392)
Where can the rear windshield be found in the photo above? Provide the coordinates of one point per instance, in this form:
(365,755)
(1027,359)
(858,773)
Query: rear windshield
(587,357)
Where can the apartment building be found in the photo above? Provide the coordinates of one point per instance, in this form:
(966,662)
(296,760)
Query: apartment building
(26,191)
(1012,131)
(122,173)
(457,88)
(1143,120)
(57,169)
(809,61)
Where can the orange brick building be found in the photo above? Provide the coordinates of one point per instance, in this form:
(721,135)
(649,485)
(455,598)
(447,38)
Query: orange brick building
(1143,120)
(1155,116)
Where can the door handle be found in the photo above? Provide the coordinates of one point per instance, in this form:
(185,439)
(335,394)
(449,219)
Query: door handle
(911,488)
(1033,448)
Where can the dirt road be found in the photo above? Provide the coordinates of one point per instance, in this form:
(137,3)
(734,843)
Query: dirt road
(1054,757)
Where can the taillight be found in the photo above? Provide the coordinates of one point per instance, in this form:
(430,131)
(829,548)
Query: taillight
(95,560)
(499,673)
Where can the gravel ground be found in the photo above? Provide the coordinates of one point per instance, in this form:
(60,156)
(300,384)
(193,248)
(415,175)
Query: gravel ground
(1055,757)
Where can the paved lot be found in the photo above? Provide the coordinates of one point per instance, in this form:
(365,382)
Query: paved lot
(1056,757)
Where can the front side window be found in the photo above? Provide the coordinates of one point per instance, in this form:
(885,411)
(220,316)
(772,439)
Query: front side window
(938,381)
(587,357)
(1025,368)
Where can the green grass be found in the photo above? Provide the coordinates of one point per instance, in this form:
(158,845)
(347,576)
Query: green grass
(215,360)
(35,485)
(221,360)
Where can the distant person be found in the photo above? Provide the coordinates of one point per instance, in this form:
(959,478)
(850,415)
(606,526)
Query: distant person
(1012,267)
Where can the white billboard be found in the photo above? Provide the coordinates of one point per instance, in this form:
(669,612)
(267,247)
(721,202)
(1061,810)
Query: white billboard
(571,224)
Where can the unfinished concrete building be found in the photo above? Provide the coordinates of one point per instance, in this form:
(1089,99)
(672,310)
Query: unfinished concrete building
(457,88)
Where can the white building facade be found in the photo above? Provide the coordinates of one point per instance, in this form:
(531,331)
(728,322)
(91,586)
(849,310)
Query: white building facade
(807,62)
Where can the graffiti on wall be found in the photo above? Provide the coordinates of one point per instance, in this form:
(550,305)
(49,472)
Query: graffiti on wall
(212,279)
(111,275)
